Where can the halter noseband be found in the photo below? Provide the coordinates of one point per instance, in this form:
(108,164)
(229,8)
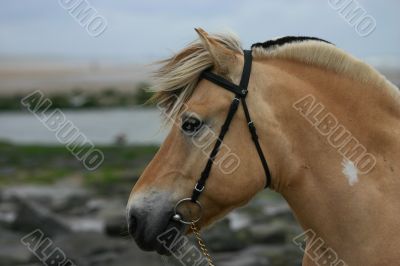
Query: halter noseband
(240,92)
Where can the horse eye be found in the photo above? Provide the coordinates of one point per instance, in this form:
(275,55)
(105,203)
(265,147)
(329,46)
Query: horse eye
(191,125)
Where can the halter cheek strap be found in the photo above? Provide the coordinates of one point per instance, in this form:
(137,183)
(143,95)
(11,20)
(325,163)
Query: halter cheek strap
(240,92)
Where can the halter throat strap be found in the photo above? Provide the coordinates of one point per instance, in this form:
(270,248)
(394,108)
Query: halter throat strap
(240,92)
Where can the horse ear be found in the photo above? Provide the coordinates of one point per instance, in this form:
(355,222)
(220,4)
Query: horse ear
(223,58)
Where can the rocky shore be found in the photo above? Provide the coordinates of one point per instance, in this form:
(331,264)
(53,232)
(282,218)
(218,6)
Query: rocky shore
(89,228)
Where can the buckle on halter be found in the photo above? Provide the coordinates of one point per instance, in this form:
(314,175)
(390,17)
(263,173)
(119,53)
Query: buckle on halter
(251,125)
(198,189)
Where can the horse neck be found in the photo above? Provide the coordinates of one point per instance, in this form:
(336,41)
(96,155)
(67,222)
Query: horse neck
(318,182)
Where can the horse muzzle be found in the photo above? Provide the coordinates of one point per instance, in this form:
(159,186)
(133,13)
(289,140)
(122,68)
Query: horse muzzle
(148,221)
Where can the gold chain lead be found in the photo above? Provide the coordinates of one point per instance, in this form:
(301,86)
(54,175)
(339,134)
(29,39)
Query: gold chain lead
(201,244)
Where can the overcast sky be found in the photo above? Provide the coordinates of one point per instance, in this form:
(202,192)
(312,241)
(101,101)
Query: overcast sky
(149,29)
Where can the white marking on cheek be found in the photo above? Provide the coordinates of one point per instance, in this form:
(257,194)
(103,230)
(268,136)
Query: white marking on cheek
(350,171)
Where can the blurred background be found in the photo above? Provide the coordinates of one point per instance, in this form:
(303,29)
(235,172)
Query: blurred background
(92,59)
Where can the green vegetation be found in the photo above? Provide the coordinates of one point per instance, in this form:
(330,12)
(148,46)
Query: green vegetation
(143,95)
(48,164)
(11,102)
(78,98)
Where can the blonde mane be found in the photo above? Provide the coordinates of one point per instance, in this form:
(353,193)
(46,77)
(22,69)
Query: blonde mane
(328,56)
(178,75)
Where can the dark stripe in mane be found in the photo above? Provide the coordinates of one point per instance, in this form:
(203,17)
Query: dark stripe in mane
(285,40)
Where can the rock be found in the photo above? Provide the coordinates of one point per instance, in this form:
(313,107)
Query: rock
(269,233)
(284,255)
(262,255)
(132,257)
(94,205)
(252,256)
(73,204)
(109,207)
(31,216)
(96,249)
(221,238)
(244,261)
(7,214)
(12,252)
(239,220)
(42,193)
(89,229)
(279,211)
(116,226)
(84,223)
(59,197)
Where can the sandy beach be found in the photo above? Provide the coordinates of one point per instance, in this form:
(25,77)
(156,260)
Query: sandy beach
(60,75)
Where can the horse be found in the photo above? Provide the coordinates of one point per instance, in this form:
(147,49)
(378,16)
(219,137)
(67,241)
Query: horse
(327,122)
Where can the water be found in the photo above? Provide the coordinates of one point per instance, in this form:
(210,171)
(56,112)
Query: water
(101,126)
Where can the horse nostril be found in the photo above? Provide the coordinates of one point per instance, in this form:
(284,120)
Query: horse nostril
(132,224)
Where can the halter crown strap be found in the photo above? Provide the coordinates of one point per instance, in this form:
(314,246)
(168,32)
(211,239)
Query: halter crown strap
(240,92)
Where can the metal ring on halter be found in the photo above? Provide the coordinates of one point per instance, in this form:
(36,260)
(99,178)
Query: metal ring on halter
(177,217)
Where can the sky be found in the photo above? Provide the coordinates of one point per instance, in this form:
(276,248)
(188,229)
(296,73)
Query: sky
(152,29)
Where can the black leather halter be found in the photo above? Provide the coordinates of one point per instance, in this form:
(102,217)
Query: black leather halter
(240,92)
